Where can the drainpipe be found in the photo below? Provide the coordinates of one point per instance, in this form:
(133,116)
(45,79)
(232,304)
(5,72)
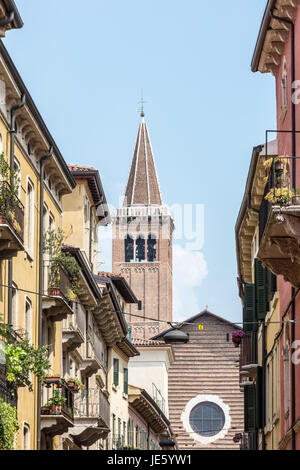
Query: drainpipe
(293,110)
(41,286)
(91,231)
(8,20)
(12,131)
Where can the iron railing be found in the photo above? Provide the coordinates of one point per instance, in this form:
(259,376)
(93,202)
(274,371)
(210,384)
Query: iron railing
(62,286)
(57,388)
(11,210)
(158,398)
(92,403)
(279,189)
(95,347)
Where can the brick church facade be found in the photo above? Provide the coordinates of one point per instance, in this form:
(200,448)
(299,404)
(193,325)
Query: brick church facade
(142,243)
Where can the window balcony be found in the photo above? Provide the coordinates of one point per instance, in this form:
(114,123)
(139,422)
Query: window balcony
(57,412)
(248,355)
(93,355)
(74,329)
(11,223)
(279,223)
(56,304)
(91,412)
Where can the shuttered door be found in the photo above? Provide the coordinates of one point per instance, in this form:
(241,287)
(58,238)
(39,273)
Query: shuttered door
(249,308)
(260,291)
(125,381)
(250,408)
(259,398)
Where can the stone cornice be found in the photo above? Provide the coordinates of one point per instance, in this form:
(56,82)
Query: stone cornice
(273,35)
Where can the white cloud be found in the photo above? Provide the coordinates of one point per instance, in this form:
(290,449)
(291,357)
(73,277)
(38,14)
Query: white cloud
(189,271)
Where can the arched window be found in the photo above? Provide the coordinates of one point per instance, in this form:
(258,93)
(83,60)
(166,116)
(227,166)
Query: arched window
(129,257)
(140,249)
(151,248)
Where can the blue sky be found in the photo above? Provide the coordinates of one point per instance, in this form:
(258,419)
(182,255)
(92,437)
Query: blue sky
(205,109)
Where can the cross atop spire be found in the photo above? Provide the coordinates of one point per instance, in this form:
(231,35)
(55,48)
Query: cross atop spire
(142,102)
(142,185)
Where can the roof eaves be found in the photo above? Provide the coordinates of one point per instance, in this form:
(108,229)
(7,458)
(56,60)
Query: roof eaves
(265,24)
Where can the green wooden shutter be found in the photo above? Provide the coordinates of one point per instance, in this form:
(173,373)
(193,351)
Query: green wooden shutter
(249,308)
(116,372)
(260,291)
(250,408)
(271,284)
(259,398)
(126,381)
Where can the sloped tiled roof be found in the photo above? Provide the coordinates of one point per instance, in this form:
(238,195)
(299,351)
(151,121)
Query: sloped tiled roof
(147,342)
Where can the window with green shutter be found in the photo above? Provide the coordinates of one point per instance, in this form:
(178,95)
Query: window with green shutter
(249,317)
(250,408)
(125,381)
(271,285)
(116,372)
(262,303)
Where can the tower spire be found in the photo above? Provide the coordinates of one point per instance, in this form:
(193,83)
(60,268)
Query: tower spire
(142,186)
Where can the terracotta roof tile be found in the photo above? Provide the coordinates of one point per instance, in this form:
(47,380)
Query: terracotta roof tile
(81,168)
(147,342)
(107,274)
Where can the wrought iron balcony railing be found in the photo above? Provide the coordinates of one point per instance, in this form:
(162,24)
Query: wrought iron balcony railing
(57,398)
(248,350)
(92,403)
(11,210)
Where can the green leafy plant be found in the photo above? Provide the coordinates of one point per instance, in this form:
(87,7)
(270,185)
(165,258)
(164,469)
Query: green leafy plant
(53,244)
(76,381)
(9,187)
(56,400)
(8,425)
(22,359)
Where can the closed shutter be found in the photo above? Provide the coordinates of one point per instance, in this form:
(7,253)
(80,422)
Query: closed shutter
(259,398)
(116,372)
(271,284)
(250,408)
(249,317)
(260,291)
(126,381)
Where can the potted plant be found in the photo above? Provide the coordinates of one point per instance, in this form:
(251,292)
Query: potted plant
(237,337)
(55,403)
(45,410)
(75,384)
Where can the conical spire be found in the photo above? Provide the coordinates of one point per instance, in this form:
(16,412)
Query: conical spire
(142,185)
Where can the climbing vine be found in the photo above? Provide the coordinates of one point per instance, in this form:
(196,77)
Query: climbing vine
(8,425)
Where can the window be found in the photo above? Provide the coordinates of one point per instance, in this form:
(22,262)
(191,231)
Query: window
(140,249)
(28,318)
(207,419)
(26,437)
(113,425)
(30,217)
(17,170)
(125,375)
(284,84)
(116,372)
(286,369)
(15,296)
(151,248)
(1,144)
(51,222)
(129,257)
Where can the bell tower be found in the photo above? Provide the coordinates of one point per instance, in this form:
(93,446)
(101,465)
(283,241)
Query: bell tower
(142,242)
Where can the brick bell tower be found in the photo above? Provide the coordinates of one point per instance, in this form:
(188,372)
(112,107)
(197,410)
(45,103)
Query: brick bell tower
(142,242)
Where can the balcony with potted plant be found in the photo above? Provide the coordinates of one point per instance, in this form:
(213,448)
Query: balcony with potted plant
(63,277)
(279,220)
(91,417)
(57,411)
(11,213)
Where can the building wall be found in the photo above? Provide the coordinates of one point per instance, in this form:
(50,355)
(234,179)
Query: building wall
(207,365)
(151,368)
(139,422)
(118,400)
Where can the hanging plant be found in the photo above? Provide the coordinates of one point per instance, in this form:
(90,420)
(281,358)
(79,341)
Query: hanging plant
(237,337)
(8,425)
